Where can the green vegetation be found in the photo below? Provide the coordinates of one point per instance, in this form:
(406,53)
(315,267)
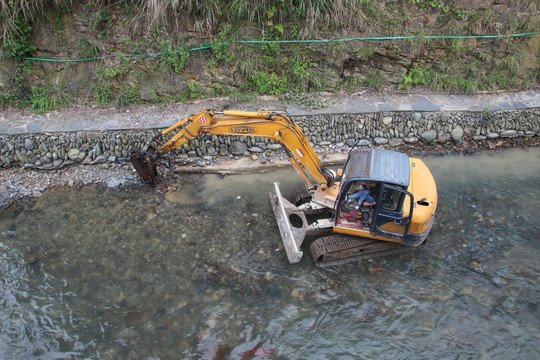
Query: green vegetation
(8,99)
(269,83)
(45,98)
(193,91)
(101,22)
(103,92)
(149,43)
(174,60)
(415,76)
(17,43)
(103,86)
(431,4)
(87,49)
(129,96)
(374,80)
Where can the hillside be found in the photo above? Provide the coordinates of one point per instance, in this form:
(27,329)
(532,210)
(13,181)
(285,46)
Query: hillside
(105,53)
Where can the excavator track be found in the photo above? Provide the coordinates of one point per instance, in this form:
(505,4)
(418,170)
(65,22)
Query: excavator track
(330,250)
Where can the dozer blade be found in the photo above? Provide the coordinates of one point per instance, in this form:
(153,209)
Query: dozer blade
(292,224)
(145,164)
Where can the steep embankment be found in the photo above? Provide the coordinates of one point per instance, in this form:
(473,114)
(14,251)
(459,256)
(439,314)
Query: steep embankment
(141,52)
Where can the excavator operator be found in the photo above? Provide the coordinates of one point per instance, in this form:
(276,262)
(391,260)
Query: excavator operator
(366,197)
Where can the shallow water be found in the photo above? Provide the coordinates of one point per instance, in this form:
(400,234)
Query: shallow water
(106,274)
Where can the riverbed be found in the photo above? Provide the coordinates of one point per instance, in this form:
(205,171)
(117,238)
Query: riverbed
(198,273)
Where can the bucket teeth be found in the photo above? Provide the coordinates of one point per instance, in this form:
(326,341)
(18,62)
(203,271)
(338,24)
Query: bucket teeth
(145,164)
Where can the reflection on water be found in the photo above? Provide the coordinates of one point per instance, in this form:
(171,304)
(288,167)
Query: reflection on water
(103,274)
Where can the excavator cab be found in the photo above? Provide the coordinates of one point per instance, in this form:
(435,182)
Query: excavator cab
(378,178)
(393,212)
(386,211)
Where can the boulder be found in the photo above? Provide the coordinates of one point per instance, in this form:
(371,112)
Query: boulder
(238,148)
(457,133)
(429,136)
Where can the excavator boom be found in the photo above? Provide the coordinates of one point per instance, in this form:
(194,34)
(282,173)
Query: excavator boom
(273,125)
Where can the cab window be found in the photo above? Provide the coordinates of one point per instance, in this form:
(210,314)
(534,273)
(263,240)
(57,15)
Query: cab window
(391,200)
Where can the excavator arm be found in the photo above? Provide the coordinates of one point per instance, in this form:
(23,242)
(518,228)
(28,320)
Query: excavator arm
(273,125)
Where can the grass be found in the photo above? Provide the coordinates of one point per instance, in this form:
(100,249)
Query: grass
(103,92)
(455,65)
(45,98)
(129,96)
(374,80)
(308,14)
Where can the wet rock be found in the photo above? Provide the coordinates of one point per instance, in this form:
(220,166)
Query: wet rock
(238,148)
(477,266)
(387,120)
(429,136)
(223,150)
(350,142)
(498,281)
(19,156)
(30,258)
(273,146)
(411,140)
(73,154)
(28,144)
(133,318)
(509,133)
(255,149)
(380,141)
(443,137)
(115,183)
(457,133)
(100,159)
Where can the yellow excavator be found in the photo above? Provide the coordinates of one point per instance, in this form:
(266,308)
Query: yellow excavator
(378,201)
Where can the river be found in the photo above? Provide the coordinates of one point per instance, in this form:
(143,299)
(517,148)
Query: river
(97,273)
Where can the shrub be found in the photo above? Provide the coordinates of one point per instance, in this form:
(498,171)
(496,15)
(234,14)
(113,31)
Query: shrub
(103,92)
(17,43)
(130,96)
(270,83)
(415,76)
(46,98)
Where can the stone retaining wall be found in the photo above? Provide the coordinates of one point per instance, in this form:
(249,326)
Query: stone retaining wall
(55,150)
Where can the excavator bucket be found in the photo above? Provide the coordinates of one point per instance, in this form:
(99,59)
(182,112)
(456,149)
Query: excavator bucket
(292,224)
(145,164)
